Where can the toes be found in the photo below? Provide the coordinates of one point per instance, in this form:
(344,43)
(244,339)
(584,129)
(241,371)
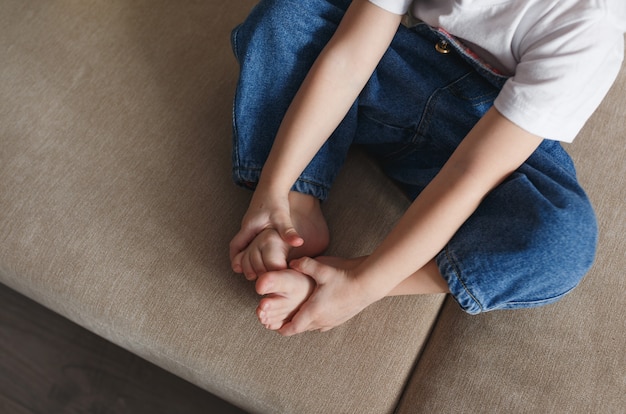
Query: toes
(274,256)
(273,311)
(246,267)
(283,292)
(286,282)
(256,262)
(265,284)
(273,251)
(275,306)
(275,326)
(263,311)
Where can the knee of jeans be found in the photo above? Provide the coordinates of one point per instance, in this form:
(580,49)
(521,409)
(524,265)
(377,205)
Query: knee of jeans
(570,243)
(559,258)
(285,12)
(283,18)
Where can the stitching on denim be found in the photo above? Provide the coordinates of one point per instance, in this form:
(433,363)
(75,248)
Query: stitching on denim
(385,124)
(324,188)
(398,154)
(409,144)
(457,272)
(235,137)
(429,114)
(234,43)
(426,115)
(235,134)
(474,100)
(454,89)
(240,172)
(534,303)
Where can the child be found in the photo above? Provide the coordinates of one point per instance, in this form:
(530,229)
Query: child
(455,109)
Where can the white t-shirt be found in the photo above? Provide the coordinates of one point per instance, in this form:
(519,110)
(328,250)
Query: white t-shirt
(562,55)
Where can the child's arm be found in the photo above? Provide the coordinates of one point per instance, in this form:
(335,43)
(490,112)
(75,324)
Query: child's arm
(493,149)
(331,87)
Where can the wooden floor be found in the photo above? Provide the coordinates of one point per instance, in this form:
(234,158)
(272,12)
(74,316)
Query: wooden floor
(51,365)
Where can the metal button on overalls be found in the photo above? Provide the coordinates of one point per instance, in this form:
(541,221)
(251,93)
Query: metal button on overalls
(443,47)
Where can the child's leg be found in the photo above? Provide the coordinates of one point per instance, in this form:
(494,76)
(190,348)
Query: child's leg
(533,237)
(529,243)
(390,122)
(276,46)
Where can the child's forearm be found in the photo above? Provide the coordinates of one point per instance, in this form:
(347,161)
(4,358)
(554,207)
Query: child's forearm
(330,88)
(326,95)
(492,150)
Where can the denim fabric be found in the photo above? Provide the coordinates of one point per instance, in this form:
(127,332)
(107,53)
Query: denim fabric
(531,240)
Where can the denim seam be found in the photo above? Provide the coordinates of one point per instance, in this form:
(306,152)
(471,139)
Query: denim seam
(253,170)
(425,118)
(429,114)
(237,171)
(484,98)
(314,183)
(235,134)
(457,273)
(536,302)
(234,43)
(398,154)
(364,115)
(235,149)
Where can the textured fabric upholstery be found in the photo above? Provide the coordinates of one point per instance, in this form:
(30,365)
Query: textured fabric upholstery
(116,208)
(564,358)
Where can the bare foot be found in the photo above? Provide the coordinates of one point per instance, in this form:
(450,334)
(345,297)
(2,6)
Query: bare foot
(285,291)
(310,223)
(269,252)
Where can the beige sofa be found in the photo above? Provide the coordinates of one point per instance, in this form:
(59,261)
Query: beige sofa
(116,208)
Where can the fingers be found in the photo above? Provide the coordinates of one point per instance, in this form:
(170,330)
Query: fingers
(302,321)
(305,319)
(267,252)
(252,264)
(241,240)
(297,325)
(313,268)
(282,224)
(287,231)
(335,299)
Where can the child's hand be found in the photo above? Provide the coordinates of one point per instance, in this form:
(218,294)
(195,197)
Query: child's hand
(337,297)
(267,252)
(265,212)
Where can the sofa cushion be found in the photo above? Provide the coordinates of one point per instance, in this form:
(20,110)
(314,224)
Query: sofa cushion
(116,207)
(566,358)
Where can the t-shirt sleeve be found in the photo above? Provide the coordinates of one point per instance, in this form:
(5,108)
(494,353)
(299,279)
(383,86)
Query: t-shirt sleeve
(393,6)
(562,78)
